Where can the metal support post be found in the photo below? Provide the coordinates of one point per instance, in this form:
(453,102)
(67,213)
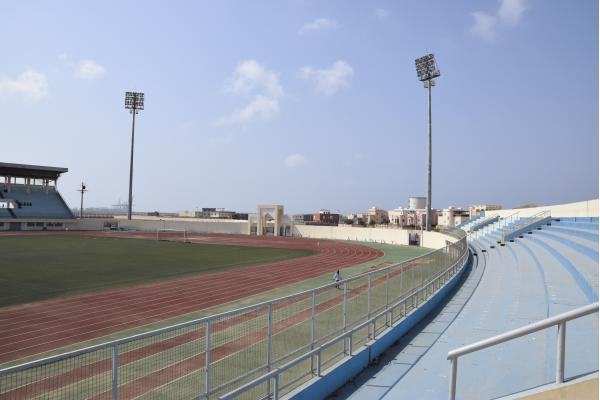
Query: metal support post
(207,359)
(387,289)
(319,363)
(270,338)
(428,216)
(313,328)
(560,352)
(345,306)
(454,367)
(131,166)
(276,391)
(350,345)
(269,346)
(368,296)
(115,372)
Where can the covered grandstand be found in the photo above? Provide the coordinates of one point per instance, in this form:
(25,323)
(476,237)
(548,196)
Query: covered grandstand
(29,198)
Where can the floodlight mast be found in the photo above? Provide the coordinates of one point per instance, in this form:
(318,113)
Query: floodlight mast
(427,70)
(134,102)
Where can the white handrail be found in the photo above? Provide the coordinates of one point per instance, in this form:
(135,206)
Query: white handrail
(560,320)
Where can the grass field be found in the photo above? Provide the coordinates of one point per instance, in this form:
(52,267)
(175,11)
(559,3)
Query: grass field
(37,268)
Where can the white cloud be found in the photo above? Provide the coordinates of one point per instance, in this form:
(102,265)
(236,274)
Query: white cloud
(328,81)
(295,160)
(319,25)
(486,26)
(381,14)
(249,76)
(511,10)
(63,56)
(89,69)
(262,86)
(261,108)
(31,85)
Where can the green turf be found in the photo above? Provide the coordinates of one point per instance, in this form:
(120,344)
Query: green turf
(37,268)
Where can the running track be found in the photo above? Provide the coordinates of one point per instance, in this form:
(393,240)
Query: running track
(34,328)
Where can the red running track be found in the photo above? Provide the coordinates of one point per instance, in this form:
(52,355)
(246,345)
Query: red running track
(38,327)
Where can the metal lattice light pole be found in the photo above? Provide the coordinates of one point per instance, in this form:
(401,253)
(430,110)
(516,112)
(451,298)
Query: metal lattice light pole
(427,70)
(134,102)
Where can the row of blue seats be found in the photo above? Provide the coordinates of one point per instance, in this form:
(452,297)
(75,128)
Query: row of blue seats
(36,204)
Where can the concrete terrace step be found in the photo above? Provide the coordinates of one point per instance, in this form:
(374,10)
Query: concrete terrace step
(546,273)
(583,234)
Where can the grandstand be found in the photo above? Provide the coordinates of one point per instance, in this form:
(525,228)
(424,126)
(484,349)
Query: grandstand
(29,198)
(548,267)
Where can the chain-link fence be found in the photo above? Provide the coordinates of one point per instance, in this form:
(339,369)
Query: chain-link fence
(211,356)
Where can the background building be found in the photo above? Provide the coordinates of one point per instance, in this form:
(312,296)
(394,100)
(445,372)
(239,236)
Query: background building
(325,217)
(476,209)
(451,216)
(377,216)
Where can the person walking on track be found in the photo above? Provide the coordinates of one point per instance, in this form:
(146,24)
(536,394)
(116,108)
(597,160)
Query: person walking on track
(337,277)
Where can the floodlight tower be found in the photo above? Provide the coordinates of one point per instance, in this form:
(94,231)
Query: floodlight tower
(134,102)
(427,70)
(82,190)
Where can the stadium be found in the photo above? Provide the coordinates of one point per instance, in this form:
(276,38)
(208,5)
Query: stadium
(323,200)
(90,311)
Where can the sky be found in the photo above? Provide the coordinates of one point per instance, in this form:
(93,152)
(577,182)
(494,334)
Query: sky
(309,104)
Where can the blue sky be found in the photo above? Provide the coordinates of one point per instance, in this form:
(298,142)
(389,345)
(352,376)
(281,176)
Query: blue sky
(309,104)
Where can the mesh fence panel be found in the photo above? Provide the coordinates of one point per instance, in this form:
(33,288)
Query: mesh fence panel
(295,376)
(239,346)
(379,291)
(329,317)
(292,326)
(357,300)
(82,376)
(169,364)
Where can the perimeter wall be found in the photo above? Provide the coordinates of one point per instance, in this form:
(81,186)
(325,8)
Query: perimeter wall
(588,208)
(433,240)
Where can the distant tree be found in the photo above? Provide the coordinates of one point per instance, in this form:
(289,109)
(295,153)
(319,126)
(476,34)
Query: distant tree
(372,223)
(348,221)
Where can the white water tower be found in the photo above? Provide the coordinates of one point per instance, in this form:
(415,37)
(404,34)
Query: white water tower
(417,203)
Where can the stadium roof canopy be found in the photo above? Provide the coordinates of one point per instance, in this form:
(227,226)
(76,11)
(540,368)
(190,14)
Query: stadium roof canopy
(31,171)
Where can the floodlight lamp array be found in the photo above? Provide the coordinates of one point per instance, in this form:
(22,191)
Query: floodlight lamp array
(134,101)
(427,68)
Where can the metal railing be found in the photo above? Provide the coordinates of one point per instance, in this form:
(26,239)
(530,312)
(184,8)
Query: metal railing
(531,222)
(558,320)
(422,294)
(483,223)
(213,355)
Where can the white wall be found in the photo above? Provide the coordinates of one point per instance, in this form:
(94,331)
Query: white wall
(588,208)
(432,240)
(189,224)
(392,236)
